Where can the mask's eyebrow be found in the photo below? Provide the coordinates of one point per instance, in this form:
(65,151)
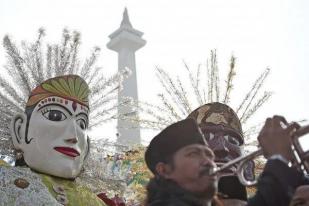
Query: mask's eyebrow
(57,105)
(83,114)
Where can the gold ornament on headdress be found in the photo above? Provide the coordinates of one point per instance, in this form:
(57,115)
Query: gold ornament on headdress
(218,114)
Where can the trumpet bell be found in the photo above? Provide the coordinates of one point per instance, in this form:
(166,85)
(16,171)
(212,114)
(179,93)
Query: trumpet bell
(242,165)
(240,171)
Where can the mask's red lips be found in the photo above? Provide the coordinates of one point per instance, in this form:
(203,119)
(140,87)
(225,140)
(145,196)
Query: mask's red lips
(67,151)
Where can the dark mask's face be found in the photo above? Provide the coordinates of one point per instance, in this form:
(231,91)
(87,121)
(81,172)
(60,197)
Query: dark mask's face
(224,143)
(226,146)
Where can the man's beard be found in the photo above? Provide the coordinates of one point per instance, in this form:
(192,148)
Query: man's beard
(208,191)
(212,186)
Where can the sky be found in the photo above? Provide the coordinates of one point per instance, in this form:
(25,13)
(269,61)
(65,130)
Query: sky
(261,34)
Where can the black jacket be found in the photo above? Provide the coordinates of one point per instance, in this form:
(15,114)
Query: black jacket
(276,187)
(163,192)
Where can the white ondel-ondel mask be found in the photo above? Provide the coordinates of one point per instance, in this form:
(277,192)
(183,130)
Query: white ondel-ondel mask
(52,133)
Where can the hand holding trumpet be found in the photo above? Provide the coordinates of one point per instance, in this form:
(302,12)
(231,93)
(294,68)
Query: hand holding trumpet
(301,196)
(275,137)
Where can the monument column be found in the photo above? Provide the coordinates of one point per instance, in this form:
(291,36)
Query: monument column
(126,41)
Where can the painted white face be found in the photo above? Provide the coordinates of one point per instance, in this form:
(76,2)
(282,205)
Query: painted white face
(57,137)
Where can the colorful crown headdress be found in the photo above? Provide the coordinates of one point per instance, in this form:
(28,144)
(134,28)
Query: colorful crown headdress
(70,87)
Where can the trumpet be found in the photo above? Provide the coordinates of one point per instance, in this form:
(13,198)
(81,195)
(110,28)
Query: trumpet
(300,149)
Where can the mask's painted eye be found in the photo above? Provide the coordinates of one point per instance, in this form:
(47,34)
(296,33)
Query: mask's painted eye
(233,140)
(209,136)
(82,124)
(54,115)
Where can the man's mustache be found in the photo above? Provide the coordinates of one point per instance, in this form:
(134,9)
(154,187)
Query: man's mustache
(207,170)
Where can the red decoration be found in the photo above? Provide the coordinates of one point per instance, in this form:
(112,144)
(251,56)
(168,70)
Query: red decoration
(115,201)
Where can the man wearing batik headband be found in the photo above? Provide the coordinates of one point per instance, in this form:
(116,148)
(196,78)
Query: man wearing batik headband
(52,137)
(222,130)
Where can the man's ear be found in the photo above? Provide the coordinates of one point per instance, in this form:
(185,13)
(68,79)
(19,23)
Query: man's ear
(164,169)
(17,128)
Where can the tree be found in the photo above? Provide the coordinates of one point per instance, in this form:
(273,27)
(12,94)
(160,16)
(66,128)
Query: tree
(176,103)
